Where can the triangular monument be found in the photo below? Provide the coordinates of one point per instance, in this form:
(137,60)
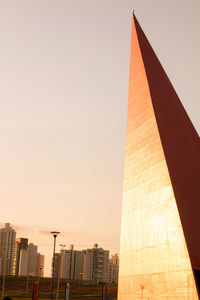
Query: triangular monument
(160,233)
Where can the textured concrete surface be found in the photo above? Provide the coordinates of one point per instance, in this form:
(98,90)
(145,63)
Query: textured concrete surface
(154,258)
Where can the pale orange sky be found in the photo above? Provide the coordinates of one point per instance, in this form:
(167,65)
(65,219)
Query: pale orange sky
(64,69)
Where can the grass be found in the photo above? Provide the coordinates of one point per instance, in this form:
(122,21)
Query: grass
(16,286)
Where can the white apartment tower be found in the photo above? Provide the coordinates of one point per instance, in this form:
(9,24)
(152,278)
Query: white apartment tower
(88,265)
(32,259)
(95,265)
(71,263)
(20,257)
(78,265)
(27,261)
(91,264)
(7,246)
(113,269)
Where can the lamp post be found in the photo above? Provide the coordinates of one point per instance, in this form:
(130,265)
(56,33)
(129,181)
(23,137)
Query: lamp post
(54,234)
(60,270)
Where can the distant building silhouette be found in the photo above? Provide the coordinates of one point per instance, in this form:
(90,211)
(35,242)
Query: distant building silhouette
(20,257)
(32,259)
(69,263)
(91,264)
(113,268)
(27,261)
(114,259)
(40,265)
(95,265)
(7,246)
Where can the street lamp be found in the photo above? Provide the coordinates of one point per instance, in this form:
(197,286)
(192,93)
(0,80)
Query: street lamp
(54,234)
(60,269)
(63,246)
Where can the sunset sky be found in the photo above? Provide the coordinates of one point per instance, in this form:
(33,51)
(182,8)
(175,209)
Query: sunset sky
(64,69)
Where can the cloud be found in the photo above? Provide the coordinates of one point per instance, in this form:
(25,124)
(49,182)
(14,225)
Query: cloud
(43,231)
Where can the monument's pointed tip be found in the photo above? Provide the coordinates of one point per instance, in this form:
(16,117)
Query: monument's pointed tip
(134,16)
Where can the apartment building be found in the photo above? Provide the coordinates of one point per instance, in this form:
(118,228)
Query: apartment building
(7,247)
(27,261)
(113,269)
(69,264)
(20,257)
(95,264)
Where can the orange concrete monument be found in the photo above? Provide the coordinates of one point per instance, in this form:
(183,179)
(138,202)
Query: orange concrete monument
(160,233)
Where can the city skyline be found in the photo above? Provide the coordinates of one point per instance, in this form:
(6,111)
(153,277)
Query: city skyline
(20,258)
(17,256)
(64,77)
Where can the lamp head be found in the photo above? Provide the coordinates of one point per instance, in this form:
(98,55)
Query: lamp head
(55,233)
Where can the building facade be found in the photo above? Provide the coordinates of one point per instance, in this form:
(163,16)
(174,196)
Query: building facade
(40,265)
(113,269)
(32,259)
(27,261)
(7,248)
(91,264)
(20,257)
(96,264)
(69,264)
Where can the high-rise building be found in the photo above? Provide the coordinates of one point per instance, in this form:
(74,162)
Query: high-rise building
(78,264)
(27,261)
(40,265)
(32,260)
(113,272)
(113,268)
(70,264)
(88,265)
(23,262)
(91,264)
(65,263)
(160,233)
(95,264)
(35,265)
(114,259)
(7,246)
(20,257)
